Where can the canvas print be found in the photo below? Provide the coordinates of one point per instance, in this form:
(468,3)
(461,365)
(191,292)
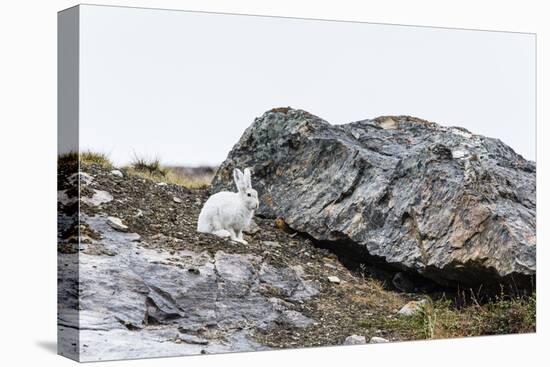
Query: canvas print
(237,183)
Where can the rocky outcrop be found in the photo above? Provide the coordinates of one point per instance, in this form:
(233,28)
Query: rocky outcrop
(173,298)
(439,201)
(135,279)
(171,291)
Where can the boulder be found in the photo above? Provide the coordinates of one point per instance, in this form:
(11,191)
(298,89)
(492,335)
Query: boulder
(453,206)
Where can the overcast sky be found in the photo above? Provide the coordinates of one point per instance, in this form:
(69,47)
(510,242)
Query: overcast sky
(184,86)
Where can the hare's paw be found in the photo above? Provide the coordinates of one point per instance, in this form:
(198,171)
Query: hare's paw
(222,233)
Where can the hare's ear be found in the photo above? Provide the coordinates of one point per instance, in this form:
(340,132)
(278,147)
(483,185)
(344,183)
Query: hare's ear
(238,176)
(247,180)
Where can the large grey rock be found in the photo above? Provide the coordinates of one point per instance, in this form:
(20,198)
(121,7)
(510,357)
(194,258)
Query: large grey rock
(441,201)
(154,303)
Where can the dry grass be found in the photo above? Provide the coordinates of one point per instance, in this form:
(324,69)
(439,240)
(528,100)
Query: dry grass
(442,319)
(152,169)
(373,293)
(172,177)
(86,157)
(150,166)
(98,158)
(502,315)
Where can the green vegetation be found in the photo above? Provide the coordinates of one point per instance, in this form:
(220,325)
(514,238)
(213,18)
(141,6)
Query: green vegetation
(442,319)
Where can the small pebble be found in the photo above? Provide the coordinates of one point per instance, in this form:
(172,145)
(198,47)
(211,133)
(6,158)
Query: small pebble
(117,224)
(355,340)
(117,173)
(377,339)
(412,307)
(273,244)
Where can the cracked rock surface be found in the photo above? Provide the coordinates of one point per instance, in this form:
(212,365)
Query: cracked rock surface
(453,206)
(156,287)
(155,293)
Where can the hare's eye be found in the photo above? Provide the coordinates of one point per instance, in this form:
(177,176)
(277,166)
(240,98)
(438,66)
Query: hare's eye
(249,195)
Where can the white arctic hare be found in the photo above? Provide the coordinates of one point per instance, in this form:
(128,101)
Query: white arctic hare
(227,214)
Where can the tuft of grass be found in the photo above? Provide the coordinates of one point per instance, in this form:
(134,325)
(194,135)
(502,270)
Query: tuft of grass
(442,319)
(172,177)
(90,157)
(150,166)
(95,158)
(152,169)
